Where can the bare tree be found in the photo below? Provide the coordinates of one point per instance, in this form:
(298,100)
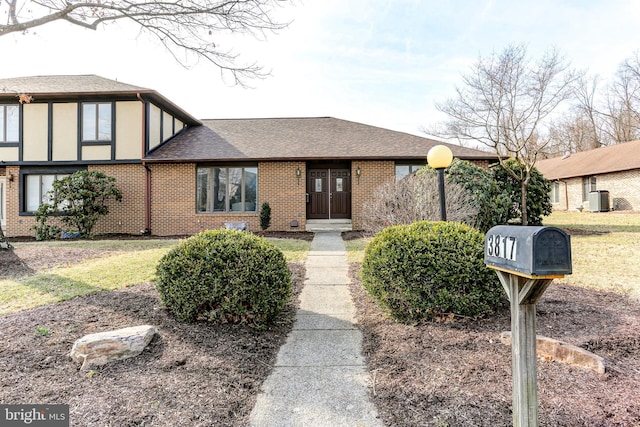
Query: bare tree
(416,198)
(506,102)
(623,103)
(182,26)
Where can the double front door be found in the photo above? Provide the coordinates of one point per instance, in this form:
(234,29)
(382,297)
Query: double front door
(328,193)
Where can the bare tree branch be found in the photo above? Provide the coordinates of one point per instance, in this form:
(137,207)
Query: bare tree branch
(182,26)
(506,104)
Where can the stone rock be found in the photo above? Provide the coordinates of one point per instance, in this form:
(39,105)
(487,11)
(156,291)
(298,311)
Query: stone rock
(104,347)
(550,349)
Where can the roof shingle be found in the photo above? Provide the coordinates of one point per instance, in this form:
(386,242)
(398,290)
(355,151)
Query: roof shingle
(614,158)
(320,138)
(67,87)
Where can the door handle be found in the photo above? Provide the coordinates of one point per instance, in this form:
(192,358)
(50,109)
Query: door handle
(307,197)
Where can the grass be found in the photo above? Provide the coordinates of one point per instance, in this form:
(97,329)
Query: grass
(603,261)
(606,262)
(132,262)
(595,221)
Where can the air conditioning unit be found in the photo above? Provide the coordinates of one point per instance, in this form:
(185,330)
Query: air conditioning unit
(599,201)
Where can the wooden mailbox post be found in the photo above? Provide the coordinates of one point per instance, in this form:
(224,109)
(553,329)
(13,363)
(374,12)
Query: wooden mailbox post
(526,259)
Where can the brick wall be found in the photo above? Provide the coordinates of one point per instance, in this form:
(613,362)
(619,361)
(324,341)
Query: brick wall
(128,215)
(372,175)
(286,194)
(174,199)
(623,188)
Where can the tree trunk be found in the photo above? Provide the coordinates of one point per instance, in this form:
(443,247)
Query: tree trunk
(524,187)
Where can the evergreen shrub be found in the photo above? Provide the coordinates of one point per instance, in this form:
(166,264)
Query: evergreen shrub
(428,270)
(224,276)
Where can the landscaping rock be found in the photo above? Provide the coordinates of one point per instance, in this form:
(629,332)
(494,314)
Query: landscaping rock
(104,347)
(550,349)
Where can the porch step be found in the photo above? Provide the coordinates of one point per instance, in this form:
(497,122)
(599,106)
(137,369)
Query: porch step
(320,225)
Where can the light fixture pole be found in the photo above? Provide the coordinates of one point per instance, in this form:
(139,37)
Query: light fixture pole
(440,157)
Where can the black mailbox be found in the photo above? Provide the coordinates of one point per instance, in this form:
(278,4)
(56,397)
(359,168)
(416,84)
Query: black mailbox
(528,250)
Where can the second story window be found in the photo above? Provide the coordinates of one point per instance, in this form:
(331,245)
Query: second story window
(96,121)
(9,123)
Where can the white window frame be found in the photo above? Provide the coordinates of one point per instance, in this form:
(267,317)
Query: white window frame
(42,192)
(555,192)
(4,124)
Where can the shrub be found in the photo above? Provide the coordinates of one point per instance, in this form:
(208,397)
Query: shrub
(224,276)
(416,198)
(78,201)
(538,193)
(492,204)
(265,216)
(427,269)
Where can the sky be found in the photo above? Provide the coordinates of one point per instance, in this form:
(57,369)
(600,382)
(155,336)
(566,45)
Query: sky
(379,62)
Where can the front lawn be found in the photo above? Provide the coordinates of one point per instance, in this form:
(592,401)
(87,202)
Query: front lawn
(37,273)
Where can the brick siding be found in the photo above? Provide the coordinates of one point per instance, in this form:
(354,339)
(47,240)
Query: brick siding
(173,198)
(623,188)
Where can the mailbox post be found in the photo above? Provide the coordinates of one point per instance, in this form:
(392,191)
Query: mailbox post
(526,259)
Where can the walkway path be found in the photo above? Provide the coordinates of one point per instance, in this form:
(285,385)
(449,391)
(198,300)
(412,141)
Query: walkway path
(320,377)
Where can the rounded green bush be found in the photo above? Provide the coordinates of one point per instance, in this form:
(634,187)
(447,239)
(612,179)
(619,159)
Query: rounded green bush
(428,269)
(224,276)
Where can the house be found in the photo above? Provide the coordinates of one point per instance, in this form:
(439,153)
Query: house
(180,175)
(612,172)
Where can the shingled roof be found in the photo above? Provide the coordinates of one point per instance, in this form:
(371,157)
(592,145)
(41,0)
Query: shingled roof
(319,138)
(615,158)
(72,87)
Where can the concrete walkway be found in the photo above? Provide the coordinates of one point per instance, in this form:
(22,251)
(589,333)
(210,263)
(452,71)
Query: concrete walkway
(320,377)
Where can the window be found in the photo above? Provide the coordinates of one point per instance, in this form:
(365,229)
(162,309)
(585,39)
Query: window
(404,169)
(96,121)
(227,189)
(9,123)
(37,189)
(555,192)
(588,185)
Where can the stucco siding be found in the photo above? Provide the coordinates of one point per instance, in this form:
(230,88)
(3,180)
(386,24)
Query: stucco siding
(129,130)
(65,132)
(35,139)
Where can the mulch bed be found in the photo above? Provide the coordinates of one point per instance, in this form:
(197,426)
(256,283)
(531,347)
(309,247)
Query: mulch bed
(459,373)
(190,375)
(456,373)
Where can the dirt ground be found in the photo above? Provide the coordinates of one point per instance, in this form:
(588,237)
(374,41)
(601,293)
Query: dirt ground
(190,375)
(459,373)
(439,374)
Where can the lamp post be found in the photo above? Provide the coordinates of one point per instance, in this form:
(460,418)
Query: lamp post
(440,157)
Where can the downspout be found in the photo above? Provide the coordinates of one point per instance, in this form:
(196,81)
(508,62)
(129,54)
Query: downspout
(147,198)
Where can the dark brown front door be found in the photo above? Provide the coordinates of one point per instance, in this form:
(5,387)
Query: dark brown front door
(329,193)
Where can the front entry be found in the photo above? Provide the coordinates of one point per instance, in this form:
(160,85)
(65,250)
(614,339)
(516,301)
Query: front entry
(329,193)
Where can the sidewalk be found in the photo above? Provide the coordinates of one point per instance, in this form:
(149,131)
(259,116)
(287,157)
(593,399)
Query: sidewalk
(320,376)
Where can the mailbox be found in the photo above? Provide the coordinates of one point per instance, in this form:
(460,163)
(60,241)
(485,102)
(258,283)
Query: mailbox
(528,251)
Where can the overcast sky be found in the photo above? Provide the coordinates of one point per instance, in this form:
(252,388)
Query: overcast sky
(380,62)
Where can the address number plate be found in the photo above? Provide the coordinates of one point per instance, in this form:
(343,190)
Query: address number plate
(502,247)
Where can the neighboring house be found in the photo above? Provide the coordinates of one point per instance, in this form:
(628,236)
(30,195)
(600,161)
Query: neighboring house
(613,172)
(180,175)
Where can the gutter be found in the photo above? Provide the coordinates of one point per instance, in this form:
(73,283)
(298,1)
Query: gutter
(147,198)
